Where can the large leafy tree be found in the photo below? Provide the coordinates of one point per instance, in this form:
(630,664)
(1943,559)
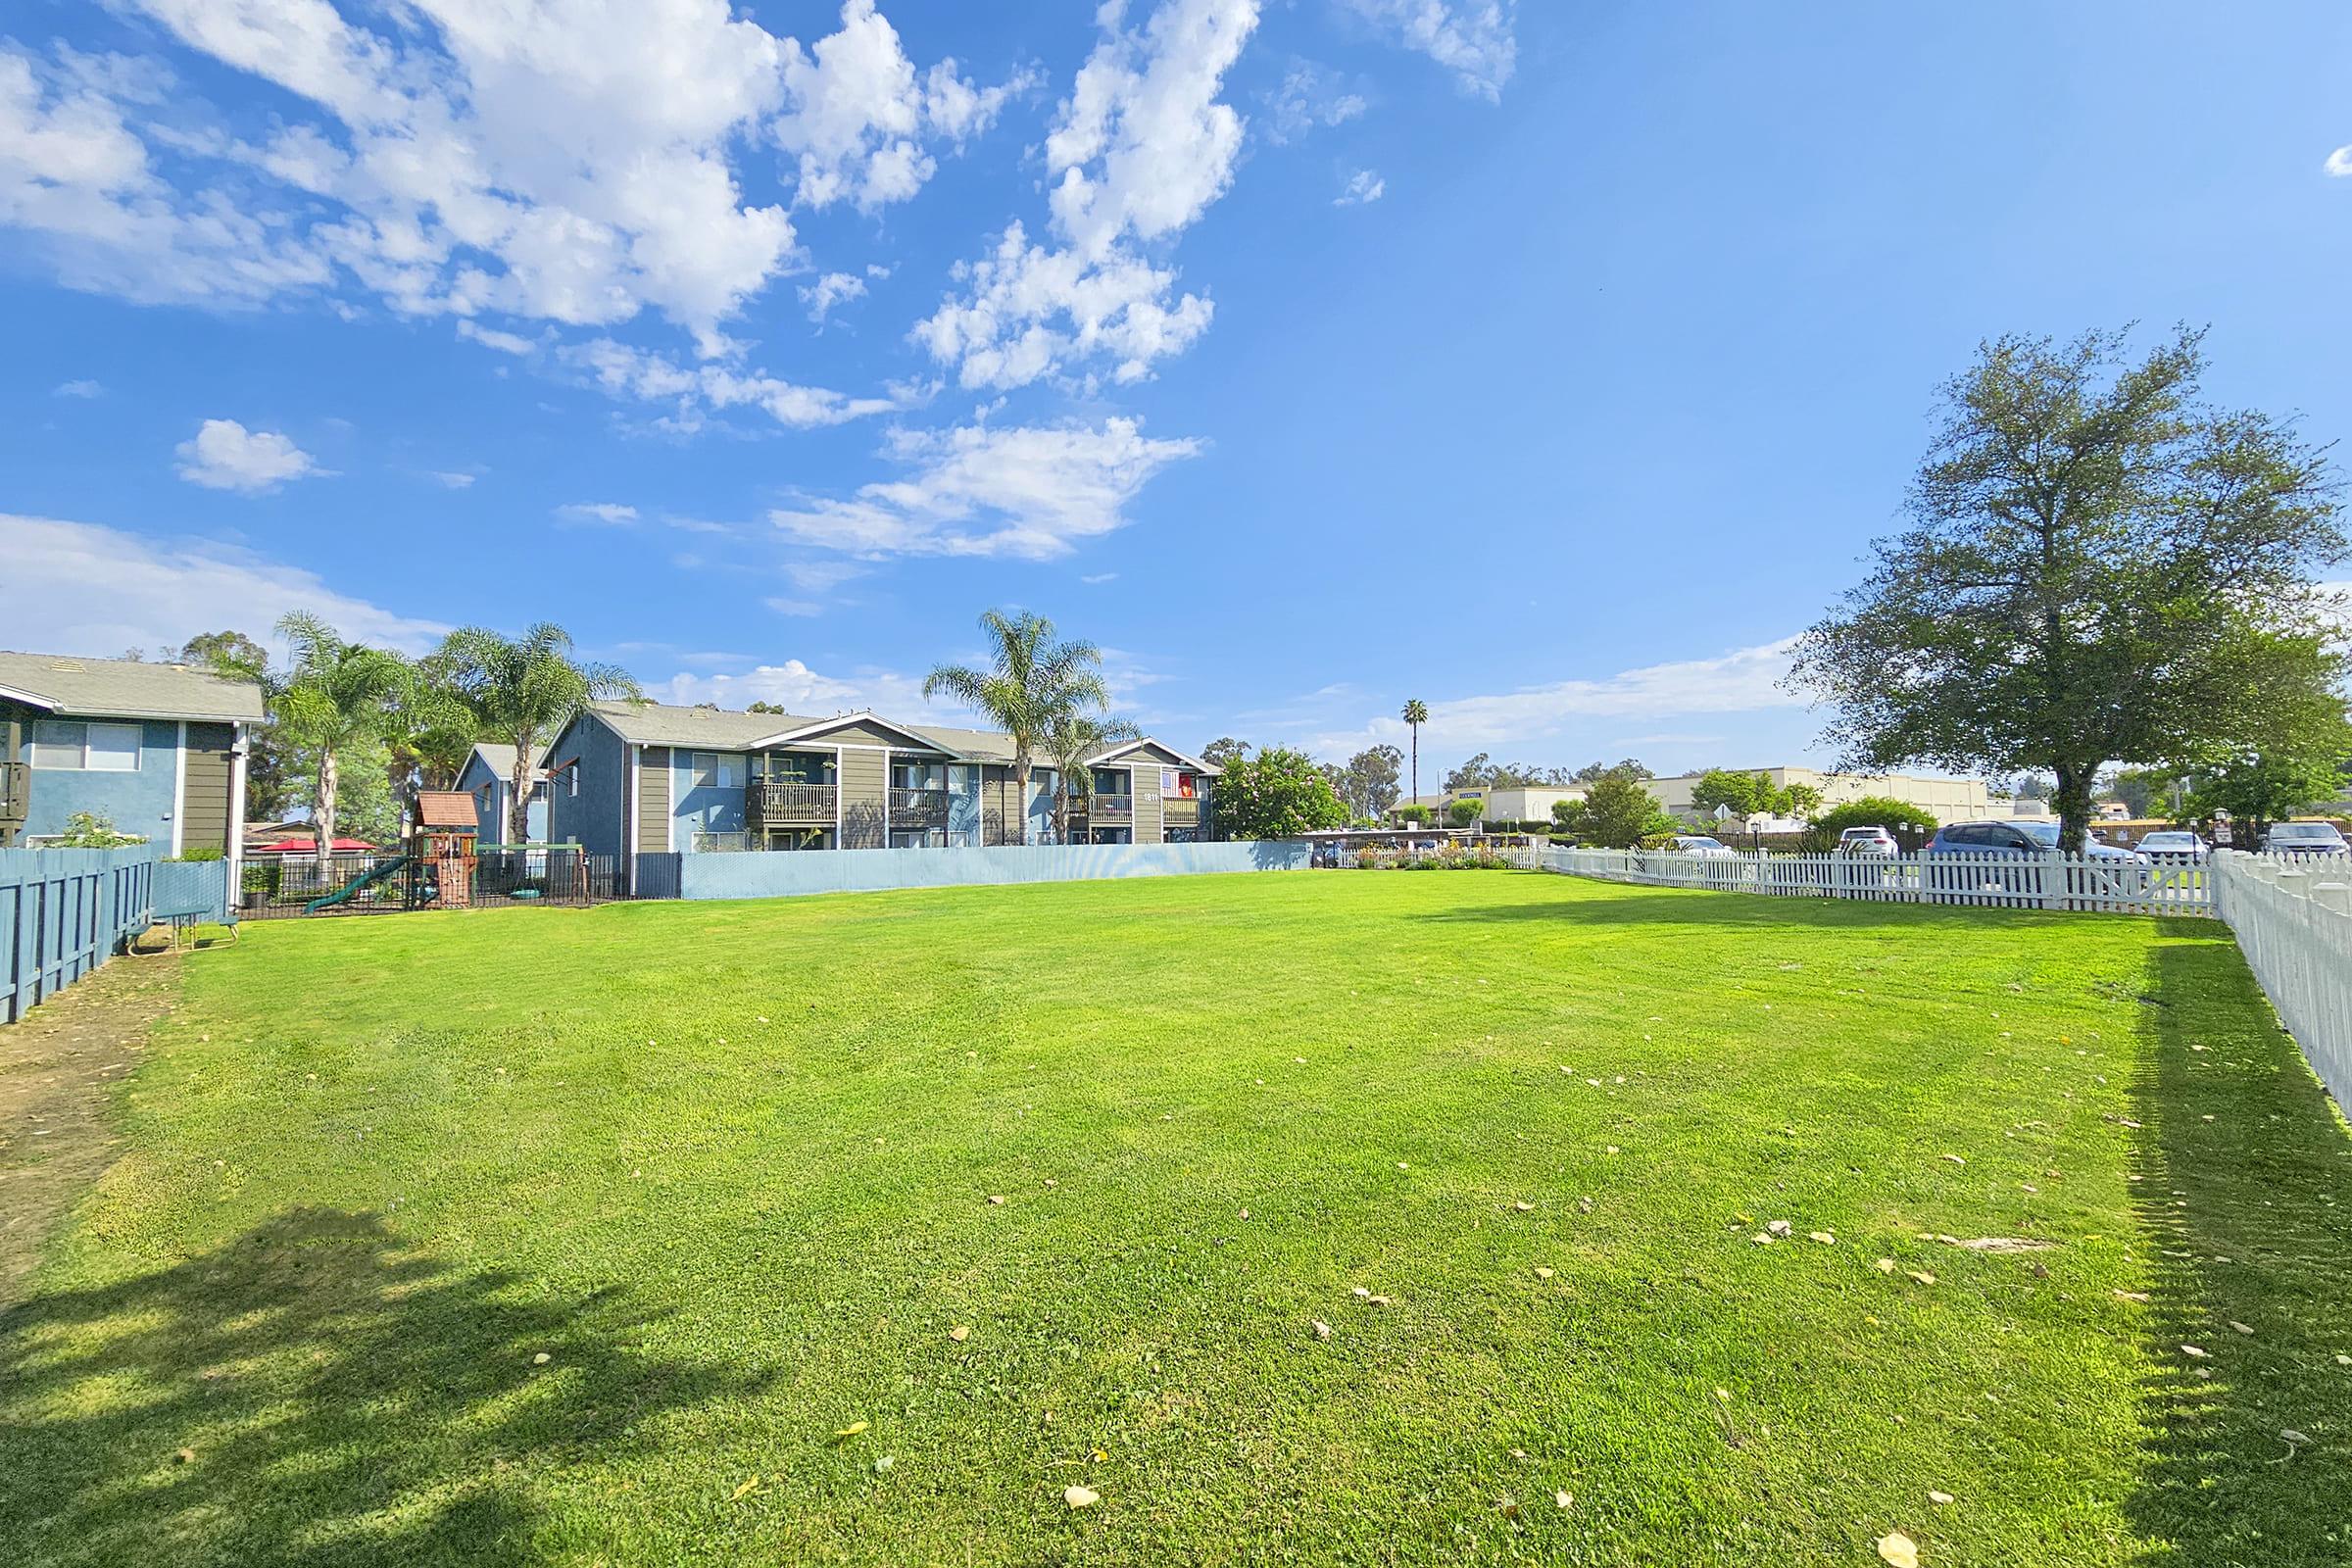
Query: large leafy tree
(2098,567)
(1273,794)
(336,699)
(2300,758)
(1620,813)
(522,691)
(1368,781)
(1223,751)
(1032,682)
(1071,742)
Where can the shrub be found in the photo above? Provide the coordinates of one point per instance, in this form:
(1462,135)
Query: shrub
(206,851)
(1461,813)
(1412,813)
(85,830)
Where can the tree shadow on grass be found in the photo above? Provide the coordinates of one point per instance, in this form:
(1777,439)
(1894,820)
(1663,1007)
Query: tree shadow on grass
(2247,1219)
(317,1392)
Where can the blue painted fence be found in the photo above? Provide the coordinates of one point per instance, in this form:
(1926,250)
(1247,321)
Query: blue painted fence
(782,874)
(193,884)
(63,912)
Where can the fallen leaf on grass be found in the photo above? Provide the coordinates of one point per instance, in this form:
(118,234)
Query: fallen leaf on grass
(2001,1244)
(2193,1352)
(184,1456)
(1823,1237)
(1563,1500)
(1956,1159)
(1778,1227)
(996,1197)
(541,1360)
(960,1333)
(2242,1328)
(1360,1294)
(2290,1434)
(1321,1328)
(852,1429)
(1081,1496)
(1940,1498)
(744,1491)
(1921,1276)
(1886,1265)
(1900,1550)
(1523,1207)
(1542,1273)
(2132,1296)
(1508,1507)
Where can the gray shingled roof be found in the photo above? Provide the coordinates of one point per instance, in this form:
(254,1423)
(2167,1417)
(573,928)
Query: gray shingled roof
(126,688)
(499,757)
(718,729)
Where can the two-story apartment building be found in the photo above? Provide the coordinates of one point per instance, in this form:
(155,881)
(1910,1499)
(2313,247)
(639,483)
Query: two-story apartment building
(489,777)
(636,778)
(156,749)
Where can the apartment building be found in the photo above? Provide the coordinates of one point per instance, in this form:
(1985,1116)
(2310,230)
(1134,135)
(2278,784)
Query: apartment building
(157,750)
(1947,799)
(635,778)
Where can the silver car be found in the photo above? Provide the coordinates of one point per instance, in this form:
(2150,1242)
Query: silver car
(2174,848)
(2304,838)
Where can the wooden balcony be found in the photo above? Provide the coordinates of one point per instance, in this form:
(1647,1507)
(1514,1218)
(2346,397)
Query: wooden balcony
(1110,811)
(769,803)
(918,808)
(1179,813)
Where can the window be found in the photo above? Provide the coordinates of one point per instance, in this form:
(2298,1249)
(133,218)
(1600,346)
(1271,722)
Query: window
(722,770)
(917,776)
(98,747)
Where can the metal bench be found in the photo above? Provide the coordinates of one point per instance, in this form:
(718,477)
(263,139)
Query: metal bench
(181,920)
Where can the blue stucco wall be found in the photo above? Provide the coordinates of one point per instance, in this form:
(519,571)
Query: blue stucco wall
(791,874)
(137,801)
(591,818)
(705,808)
(963,800)
(490,804)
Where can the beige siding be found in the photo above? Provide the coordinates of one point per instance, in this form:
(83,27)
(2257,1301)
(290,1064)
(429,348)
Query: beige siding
(1147,802)
(1157,756)
(653,801)
(204,788)
(865,783)
(857,735)
(999,818)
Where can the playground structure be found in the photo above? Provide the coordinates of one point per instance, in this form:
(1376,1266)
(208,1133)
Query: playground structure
(436,869)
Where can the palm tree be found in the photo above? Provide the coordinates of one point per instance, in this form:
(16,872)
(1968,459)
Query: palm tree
(1072,743)
(334,696)
(1030,682)
(522,691)
(1417,713)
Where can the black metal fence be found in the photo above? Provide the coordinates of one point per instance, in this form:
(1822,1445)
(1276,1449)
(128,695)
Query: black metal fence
(390,882)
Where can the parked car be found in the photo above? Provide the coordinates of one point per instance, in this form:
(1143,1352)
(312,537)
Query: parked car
(1700,844)
(2019,839)
(2304,838)
(1867,840)
(2175,846)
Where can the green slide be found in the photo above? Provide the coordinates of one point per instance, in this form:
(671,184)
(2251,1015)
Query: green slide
(375,875)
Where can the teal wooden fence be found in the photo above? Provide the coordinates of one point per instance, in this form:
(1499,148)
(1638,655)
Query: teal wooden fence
(63,912)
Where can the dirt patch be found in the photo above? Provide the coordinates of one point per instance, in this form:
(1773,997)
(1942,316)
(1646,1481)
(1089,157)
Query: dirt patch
(57,1067)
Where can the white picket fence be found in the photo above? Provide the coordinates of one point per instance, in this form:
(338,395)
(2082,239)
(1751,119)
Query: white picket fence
(1988,881)
(2294,925)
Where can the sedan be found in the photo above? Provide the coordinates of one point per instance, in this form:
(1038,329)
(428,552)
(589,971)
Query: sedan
(2174,849)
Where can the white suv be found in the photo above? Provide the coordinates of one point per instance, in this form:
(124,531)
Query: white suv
(1866,840)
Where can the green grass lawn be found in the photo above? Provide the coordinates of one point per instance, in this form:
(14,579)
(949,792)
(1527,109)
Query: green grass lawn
(545,1236)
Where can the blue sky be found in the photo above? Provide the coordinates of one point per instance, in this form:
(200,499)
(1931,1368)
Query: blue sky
(1553,364)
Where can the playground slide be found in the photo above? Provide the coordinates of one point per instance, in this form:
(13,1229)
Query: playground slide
(375,875)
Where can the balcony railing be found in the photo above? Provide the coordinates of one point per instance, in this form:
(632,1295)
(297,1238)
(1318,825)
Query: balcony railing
(768,801)
(1180,813)
(1103,807)
(14,780)
(918,805)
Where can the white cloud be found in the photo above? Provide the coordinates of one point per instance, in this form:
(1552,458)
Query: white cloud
(77,389)
(2340,162)
(1362,189)
(1472,38)
(623,372)
(491,337)
(610,513)
(1093,577)
(223,455)
(798,689)
(1138,152)
(822,576)
(449,479)
(159,593)
(1025,491)
(1311,97)
(1745,680)
(858,114)
(830,290)
(795,606)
